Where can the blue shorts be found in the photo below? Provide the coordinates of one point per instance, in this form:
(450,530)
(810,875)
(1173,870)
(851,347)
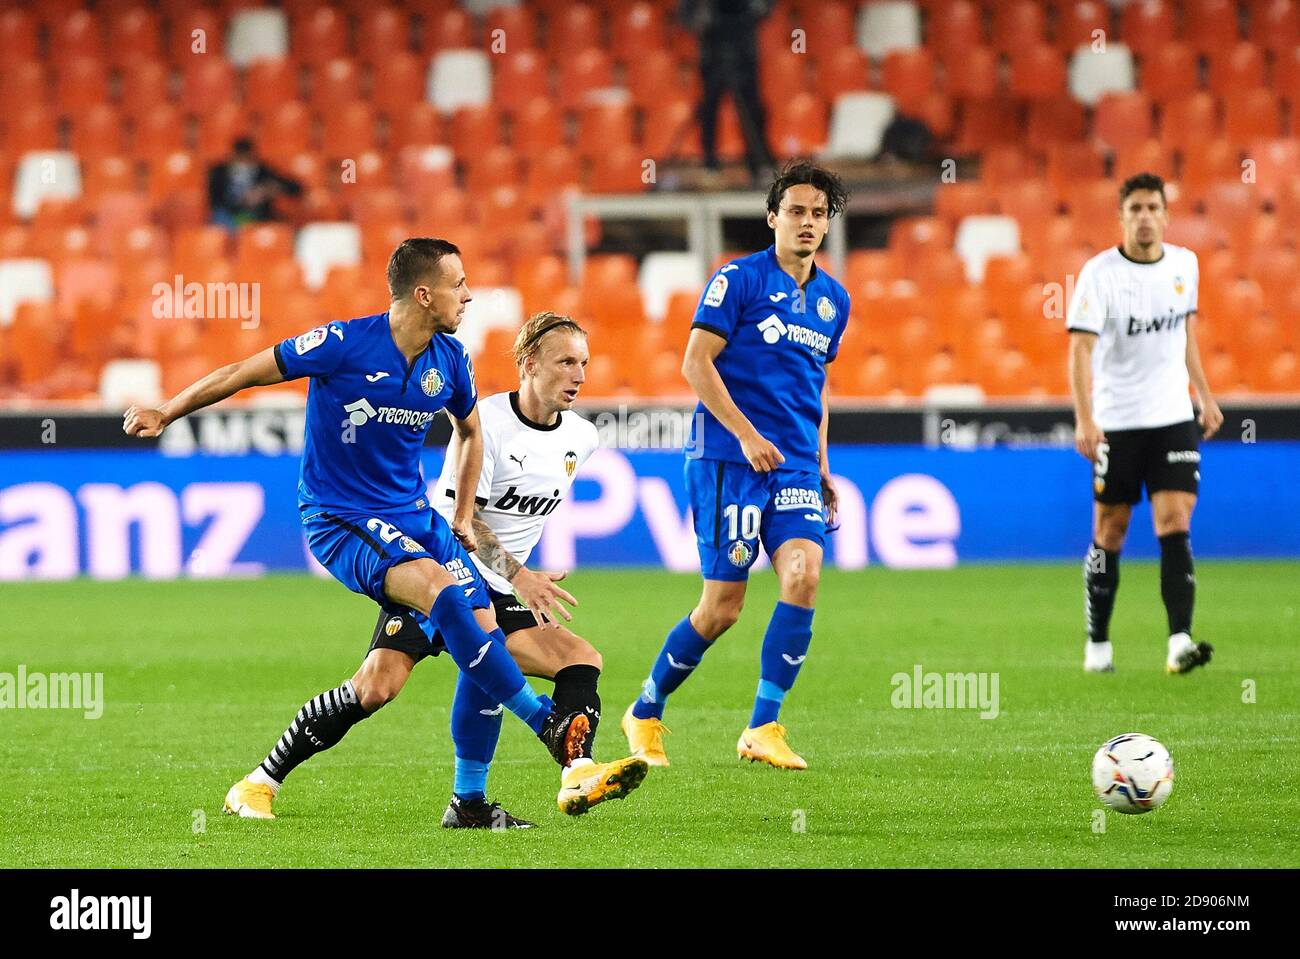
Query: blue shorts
(359,547)
(736,507)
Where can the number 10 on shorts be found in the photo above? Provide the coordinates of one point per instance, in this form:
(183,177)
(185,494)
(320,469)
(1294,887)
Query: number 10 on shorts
(742,524)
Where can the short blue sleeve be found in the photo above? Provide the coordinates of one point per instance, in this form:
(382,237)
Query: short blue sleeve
(723,301)
(845,304)
(464,394)
(317,352)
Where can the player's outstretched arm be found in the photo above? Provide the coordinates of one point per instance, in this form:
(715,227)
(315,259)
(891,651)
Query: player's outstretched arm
(260,369)
(830,498)
(1211,417)
(469,463)
(536,590)
(698,367)
(1087,434)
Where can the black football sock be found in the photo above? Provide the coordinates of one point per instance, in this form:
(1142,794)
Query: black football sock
(575,688)
(320,724)
(1177,581)
(1100,582)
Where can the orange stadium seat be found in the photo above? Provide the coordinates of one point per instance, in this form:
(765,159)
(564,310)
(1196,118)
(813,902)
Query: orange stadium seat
(539,124)
(78,34)
(269,83)
(32,129)
(618,170)
(517,26)
(1169,72)
(18,36)
(796,126)
(1150,155)
(781,75)
(1236,67)
(936,110)
(191,29)
(670,130)
(957,28)
(1275,25)
(1277,162)
(584,71)
(80,83)
(986,123)
(173,173)
(1251,115)
(219,129)
(416,124)
(475,130)
(1068,163)
(910,234)
(208,82)
(1077,20)
(1056,120)
(319,35)
(1007,163)
(952,201)
(1018,25)
(450,29)
(1146,26)
(861,266)
(908,75)
(116,214)
(1188,121)
(334,83)
(1037,72)
(348,130)
(1207,163)
(1209,24)
(972,73)
(1122,119)
(96,132)
(494,167)
(286,133)
(25,81)
(844,69)
(634,29)
(520,75)
(550,172)
(382,32)
(603,125)
(397,81)
(106,174)
(935,270)
(1025,200)
(144,84)
(649,75)
(1194,232)
(133,35)
(35,337)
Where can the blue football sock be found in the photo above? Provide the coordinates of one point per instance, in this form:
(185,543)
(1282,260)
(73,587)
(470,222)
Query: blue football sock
(785,646)
(475,728)
(681,653)
(484,657)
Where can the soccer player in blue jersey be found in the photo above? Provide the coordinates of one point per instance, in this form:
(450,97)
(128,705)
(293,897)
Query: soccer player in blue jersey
(756,467)
(376,384)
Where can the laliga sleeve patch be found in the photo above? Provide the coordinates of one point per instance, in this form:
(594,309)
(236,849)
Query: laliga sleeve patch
(717,290)
(310,340)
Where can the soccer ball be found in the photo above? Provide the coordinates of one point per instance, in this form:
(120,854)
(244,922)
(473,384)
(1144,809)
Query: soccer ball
(1132,773)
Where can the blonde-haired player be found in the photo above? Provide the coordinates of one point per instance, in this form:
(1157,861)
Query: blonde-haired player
(533,445)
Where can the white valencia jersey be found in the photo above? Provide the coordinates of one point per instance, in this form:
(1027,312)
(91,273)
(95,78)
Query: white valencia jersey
(1139,312)
(528,469)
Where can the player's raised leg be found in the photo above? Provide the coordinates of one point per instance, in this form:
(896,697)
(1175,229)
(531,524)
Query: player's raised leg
(1101,582)
(320,724)
(1171,513)
(798,565)
(720,604)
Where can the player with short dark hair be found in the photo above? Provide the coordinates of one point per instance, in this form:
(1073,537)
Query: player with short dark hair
(756,468)
(1133,355)
(377,382)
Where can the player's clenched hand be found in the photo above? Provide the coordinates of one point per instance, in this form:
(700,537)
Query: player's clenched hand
(138,421)
(1086,437)
(760,452)
(537,591)
(463,530)
(830,498)
(1211,418)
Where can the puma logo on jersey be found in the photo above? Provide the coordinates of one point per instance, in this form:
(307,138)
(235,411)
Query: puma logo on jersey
(676,665)
(482,651)
(792,660)
(519,460)
(375,377)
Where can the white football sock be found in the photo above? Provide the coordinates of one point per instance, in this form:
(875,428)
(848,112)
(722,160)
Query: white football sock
(1180,643)
(259,775)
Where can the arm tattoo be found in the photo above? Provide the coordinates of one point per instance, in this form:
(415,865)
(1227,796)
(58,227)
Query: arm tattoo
(490,550)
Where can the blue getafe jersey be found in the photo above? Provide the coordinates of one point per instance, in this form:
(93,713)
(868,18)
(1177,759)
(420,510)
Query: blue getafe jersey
(779,341)
(367,411)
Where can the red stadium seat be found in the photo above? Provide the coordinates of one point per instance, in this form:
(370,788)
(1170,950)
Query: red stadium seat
(516,27)
(826,24)
(207,83)
(475,130)
(953,201)
(286,132)
(1037,72)
(144,84)
(601,126)
(106,174)
(76,35)
(972,74)
(581,73)
(1147,26)
(1018,25)
(1188,121)
(910,234)
(1068,163)
(1078,21)
(18,37)
(193,31)
(418,124)
(1122,119)
(491,168)
(334,83)
(159,131)
(538,125)
(1209,162)
(133,35)
(959,28)
(987,123)
(269,83)
(520,75)
(348,130)
(80,82)
(383,32)
(450,29)
(1275,25)
(550,172)
(96,132)
(908,75)
(1007,163)
(671,131)
(618,170)
(1236,67)
(1150,155)
(319,35)
(782,74)
(649,74)
(397,81)
(25,81)
(635,29)
(842,70)
(1251,115)
(1210,24)
(1059,120)
(31,129)
(796,126)
(1277,163)
(1169,72)
(218,131)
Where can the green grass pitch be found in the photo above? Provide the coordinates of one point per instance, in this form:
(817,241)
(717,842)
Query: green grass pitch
(200,679)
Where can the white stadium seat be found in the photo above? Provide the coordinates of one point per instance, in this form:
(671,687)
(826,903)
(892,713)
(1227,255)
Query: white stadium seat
(980,237)
(259,34)
(1093,75)
(479,8)
(858,123)
(123,383)
(492,308)
(320,246)
(662,275)
(459,78)
(23,281)
(889,25)
(42,174)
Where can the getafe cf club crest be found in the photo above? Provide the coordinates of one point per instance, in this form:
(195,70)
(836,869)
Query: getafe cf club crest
(825,308)
(740,553)
(410,545)
(392,626)
(1178,285)
(570,463)
(431,382)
